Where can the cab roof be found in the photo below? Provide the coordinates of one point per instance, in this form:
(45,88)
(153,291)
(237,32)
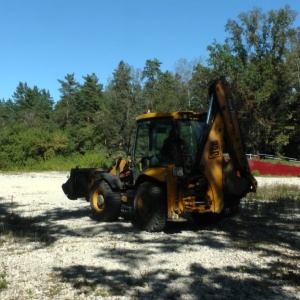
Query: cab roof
(174,115)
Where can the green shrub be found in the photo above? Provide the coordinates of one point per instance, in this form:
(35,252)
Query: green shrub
(3,281)
(59,163)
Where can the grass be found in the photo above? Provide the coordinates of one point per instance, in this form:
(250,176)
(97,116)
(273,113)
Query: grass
(271,199)
(14,227)
(55,288)
(3,281)
(88,287)
(268,223)
(24,229)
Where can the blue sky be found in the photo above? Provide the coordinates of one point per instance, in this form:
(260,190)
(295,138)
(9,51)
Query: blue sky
(44,40)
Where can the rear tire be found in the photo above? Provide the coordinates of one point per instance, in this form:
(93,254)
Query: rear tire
(233,205)
(105,204)
(207,218)
(150,207)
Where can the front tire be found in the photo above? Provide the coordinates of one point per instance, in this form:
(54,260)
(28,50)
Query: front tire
(105,204)
(150,207)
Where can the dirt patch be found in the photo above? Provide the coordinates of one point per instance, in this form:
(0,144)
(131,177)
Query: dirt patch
(51,248)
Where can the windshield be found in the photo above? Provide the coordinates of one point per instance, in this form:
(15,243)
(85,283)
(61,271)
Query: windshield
(190,133)
(161,142)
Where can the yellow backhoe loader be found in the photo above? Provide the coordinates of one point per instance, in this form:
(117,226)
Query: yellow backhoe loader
(177,168)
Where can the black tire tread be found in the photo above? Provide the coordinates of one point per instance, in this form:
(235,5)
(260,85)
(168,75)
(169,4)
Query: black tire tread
(158,220)
(112,200)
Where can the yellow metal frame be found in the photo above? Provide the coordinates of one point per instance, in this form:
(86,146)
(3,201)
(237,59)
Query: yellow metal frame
(211,163)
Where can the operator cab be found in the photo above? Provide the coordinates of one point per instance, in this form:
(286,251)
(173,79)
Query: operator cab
(168,139)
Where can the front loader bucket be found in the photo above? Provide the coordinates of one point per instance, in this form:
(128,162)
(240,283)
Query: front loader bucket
(78,183)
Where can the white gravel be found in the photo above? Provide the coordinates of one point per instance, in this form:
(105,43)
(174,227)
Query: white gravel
(51,248)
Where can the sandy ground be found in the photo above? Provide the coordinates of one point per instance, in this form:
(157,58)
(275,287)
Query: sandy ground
(51,248)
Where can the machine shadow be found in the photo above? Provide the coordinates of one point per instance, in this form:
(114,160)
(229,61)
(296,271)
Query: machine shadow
(256,228)
(252,230)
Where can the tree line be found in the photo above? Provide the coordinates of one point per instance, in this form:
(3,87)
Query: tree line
(260,58)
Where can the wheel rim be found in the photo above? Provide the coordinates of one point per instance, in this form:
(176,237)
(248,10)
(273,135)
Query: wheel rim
(98,201)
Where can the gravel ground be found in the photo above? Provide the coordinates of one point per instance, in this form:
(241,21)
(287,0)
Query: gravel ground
(51,248)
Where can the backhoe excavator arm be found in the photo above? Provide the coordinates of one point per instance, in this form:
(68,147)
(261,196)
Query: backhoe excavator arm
(220,91)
